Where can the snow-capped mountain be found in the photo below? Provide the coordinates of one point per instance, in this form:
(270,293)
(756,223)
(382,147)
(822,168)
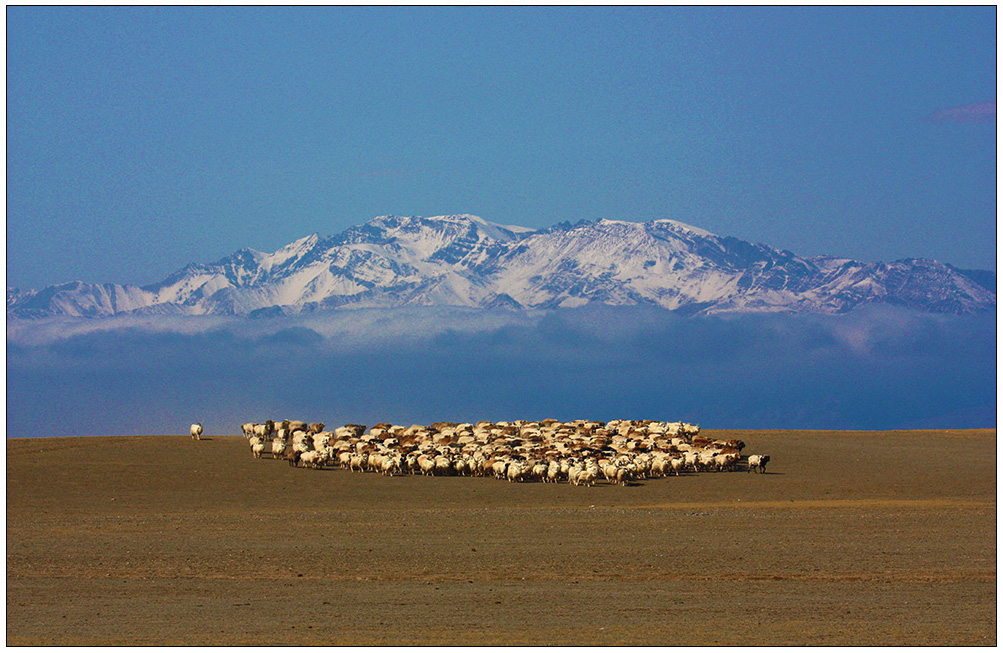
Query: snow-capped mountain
(463,260)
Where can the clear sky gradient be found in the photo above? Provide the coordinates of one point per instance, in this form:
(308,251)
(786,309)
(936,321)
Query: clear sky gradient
(141,139)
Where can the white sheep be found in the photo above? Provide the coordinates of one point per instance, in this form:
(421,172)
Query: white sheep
(758,463)
(461,465)
(539,471)
(553,472)
(375,462)
(705,460)
(690,460)
(391,465)
(263,430)
(580,451)
(515,472)
(443,466)
(358,462)
(725,462)
(321,440)
(313,459)
(498,468)
(302,441)
(625,475)
(426,464)
(257,446)
(196,431)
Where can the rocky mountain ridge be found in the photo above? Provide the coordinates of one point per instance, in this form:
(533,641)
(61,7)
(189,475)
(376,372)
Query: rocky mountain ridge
(463,260)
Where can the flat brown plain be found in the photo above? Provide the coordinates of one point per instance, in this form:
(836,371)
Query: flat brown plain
(853,538)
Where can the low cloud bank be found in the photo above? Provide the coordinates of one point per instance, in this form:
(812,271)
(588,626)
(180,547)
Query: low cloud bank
(876,368)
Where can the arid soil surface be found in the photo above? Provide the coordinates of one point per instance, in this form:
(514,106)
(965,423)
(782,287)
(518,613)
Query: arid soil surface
(865,538)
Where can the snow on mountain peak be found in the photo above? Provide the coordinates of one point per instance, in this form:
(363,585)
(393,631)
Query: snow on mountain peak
(500,232)
(293,250)
(685,227)
(464,260)
(461,223)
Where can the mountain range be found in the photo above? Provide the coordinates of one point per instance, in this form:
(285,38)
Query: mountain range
(463,260)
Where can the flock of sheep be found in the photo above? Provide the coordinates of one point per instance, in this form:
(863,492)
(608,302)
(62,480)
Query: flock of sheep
(579,452)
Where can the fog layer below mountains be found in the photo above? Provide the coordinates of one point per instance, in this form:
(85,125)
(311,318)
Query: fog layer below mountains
(874,368)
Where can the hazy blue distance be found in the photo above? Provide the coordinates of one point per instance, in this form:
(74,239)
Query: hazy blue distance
(143,138)
(875,368)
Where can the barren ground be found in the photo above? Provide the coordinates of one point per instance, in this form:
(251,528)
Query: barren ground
(854,538)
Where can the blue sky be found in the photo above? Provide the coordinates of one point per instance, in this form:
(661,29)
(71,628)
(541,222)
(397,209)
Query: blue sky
(140,139)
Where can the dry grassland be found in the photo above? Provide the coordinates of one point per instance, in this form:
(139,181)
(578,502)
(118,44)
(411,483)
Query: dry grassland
(851,538)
